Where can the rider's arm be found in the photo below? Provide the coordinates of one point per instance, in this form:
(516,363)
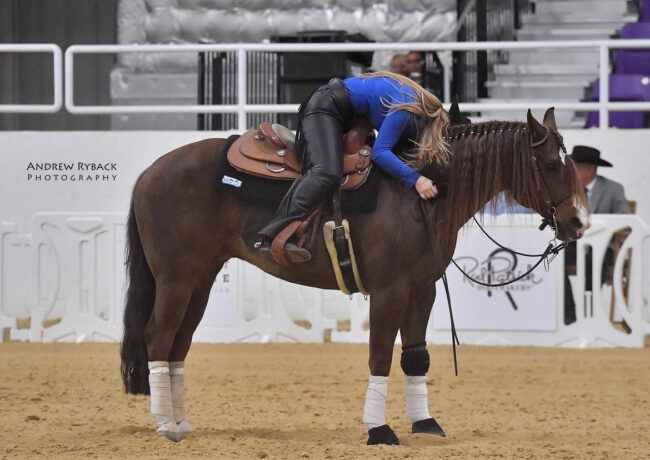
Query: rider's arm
(391,130)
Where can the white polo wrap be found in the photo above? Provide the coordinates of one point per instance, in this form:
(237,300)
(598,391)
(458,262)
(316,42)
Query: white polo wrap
(374,410)
(161,394)
(177,378)
(417,405)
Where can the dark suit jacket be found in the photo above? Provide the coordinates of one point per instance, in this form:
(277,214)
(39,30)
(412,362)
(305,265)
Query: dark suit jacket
(608,197)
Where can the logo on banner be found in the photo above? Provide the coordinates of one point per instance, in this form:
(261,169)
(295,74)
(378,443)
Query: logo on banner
(501,266)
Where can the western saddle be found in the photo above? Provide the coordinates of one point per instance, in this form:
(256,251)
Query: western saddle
(270,152)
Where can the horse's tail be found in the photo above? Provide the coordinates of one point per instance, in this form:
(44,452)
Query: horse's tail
(140,298)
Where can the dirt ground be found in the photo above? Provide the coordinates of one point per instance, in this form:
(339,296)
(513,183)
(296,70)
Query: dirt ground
(305,401)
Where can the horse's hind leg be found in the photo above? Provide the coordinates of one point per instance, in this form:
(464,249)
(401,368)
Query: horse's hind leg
(172,300)
(415,359)
(179,351)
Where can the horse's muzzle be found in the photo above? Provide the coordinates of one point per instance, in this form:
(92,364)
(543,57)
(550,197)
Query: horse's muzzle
(572,229)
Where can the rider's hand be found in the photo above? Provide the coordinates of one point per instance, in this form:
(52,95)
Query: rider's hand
(425,188)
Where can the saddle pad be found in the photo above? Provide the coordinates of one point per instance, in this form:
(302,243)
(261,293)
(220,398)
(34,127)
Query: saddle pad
(269,192)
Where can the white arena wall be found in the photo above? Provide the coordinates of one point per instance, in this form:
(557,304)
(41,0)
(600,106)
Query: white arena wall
(62,274)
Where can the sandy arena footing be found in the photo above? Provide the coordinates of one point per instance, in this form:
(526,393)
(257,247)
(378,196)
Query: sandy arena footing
(306,400)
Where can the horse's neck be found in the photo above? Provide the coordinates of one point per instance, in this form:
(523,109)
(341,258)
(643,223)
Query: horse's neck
(479,198)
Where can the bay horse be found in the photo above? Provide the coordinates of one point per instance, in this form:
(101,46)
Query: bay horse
(181,230)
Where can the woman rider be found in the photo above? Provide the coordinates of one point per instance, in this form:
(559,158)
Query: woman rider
(393,104)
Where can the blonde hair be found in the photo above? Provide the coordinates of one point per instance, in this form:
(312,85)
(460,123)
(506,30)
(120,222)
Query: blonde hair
(431,146)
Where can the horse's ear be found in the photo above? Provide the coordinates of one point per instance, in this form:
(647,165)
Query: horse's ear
(549,118)
(454,110)
(537,131)
(455,116)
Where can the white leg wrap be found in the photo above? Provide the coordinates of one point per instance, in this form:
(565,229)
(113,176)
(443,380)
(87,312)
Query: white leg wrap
(417,406)
(161,397)
(177,377)
(374,410)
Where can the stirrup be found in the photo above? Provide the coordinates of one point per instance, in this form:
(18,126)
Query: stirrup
(296,254)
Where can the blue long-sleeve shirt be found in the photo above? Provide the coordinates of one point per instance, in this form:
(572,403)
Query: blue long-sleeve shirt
(366,95)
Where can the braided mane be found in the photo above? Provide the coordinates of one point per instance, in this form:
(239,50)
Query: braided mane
(486,158)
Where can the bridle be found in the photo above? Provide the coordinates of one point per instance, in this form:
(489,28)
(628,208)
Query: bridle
(542,185)
(551,250)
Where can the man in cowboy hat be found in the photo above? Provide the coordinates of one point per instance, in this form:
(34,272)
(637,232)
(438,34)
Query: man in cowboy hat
(604,195)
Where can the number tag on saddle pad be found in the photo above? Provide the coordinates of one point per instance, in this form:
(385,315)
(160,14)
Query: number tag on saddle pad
(231,181)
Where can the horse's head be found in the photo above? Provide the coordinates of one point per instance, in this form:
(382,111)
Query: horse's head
(559,197)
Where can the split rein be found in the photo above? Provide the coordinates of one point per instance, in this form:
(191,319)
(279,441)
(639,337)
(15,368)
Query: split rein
(552,250)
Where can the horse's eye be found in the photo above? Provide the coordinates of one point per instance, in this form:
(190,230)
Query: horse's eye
(552,165)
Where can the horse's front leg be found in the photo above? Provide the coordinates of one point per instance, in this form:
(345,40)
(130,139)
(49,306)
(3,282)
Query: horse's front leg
(387,307)
(415,359)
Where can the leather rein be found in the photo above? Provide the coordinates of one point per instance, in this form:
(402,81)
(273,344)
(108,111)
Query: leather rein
(549,220)
(553,247)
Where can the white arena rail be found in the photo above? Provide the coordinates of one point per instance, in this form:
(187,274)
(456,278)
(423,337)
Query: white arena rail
(604,105)
(57,61)
(79,285)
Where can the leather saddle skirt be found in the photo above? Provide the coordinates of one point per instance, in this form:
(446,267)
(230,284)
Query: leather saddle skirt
(270,152)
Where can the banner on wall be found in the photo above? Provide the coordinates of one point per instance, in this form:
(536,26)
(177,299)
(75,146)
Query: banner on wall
(529,304)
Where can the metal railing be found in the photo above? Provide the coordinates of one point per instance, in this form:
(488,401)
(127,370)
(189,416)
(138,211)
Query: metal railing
(57,61)
(604,105)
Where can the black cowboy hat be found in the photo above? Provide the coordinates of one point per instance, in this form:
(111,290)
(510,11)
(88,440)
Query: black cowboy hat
(584,154)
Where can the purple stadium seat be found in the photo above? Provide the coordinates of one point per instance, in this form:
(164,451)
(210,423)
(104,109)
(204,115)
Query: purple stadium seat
(623,120)
(634,61)
(636,30)
(644,14)
(623,88)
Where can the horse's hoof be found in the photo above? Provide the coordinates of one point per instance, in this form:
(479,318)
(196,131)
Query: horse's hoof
(184,427)
(170,431)
(382,435)
(428,425)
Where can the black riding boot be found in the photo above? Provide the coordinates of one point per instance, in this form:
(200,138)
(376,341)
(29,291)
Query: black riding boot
(322,122)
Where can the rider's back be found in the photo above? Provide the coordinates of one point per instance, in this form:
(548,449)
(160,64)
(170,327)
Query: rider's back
(367,94)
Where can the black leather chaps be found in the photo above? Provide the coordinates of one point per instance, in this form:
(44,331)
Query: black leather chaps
(323,119)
